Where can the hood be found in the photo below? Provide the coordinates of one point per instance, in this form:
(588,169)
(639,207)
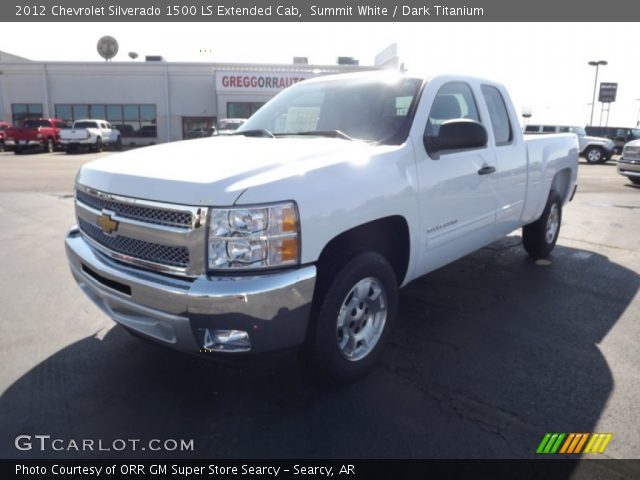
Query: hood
(633,143)
(589,138)
(216,170)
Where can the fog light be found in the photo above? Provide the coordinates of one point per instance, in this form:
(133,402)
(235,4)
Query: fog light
(226,340)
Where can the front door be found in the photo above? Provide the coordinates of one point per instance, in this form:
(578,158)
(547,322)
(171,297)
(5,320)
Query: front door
(457,198)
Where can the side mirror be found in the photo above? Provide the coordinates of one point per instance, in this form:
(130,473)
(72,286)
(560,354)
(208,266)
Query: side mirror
(457,134)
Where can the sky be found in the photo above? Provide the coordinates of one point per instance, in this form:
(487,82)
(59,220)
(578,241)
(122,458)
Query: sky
(544,65)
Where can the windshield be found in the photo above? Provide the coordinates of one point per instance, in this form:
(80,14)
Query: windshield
(36,123)
(372,109)
(226,125)
(85,125)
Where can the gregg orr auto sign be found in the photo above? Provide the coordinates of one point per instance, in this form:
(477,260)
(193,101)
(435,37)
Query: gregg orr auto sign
(256,82)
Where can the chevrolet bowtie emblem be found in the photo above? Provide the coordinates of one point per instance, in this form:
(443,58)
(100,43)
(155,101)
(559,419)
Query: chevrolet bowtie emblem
(107,224)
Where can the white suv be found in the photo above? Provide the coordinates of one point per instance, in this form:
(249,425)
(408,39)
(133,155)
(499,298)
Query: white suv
(593,149)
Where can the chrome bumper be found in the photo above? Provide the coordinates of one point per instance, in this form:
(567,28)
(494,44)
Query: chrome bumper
(273,308)
(83,141)
(629,168)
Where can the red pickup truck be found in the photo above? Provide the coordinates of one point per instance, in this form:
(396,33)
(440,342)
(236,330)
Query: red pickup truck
(3,126)
(41,133)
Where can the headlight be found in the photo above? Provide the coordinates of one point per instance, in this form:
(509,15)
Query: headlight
(256,237)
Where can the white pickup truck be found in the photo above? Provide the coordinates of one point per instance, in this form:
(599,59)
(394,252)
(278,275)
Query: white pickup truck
(299,230)
(91,133)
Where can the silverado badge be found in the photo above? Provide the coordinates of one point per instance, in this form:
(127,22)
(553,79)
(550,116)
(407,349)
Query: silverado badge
(107,224)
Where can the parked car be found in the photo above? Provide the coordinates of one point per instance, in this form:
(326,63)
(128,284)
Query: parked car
(147,131)
(41,133)
(336,193)
(593,149)
(227,126)
(200,132)
(3,126)
(90,133)
(125,130)
(619,135)
(629,162)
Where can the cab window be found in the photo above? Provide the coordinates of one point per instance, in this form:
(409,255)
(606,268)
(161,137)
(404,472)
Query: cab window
(453,100)
(498,115)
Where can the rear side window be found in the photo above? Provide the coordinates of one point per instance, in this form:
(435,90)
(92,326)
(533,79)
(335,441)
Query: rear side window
(532,129)
(498,115)
(453,100)
(548,129)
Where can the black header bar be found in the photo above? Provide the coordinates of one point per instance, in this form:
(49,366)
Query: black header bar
(319,11)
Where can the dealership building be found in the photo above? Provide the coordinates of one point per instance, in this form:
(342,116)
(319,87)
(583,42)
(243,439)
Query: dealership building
(150,100)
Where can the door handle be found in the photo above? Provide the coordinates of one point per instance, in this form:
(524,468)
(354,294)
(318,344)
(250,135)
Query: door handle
(486,170)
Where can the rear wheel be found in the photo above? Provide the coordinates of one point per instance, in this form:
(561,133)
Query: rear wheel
(98,146)
(595,155)
(635,180)
(17,150)
(354,318)
(49,146)
(539,238)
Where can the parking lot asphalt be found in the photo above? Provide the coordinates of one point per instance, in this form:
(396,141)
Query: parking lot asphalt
(489,353)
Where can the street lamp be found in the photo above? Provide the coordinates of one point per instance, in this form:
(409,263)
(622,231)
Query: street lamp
(597,65)
(637,117)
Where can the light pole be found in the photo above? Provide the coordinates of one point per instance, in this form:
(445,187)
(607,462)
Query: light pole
(595,84)
(637,116)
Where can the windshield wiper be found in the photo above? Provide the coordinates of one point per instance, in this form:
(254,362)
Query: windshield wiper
(259,132)
(323,133)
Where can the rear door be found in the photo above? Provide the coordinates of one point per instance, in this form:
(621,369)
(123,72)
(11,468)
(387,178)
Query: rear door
(456,188)
(511,158)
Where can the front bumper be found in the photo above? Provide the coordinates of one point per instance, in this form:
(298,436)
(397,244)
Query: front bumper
(628,167)
(273,308)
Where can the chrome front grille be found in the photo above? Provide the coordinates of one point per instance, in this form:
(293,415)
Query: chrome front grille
(632,153)
(155,216)
(151,252)
(153,235)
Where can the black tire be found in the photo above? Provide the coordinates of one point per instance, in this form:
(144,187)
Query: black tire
(49,147)
(595,155)
(98,147)
(1,145)
(17,150)
(535,238)
(634,180)
(70,149)
(322,346)
(118,144)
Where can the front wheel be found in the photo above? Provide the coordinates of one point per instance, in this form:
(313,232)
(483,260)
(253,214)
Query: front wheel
(635,180)
(354,318)
(595,155)
(540,237)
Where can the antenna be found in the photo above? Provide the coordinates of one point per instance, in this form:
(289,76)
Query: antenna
(107,47)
